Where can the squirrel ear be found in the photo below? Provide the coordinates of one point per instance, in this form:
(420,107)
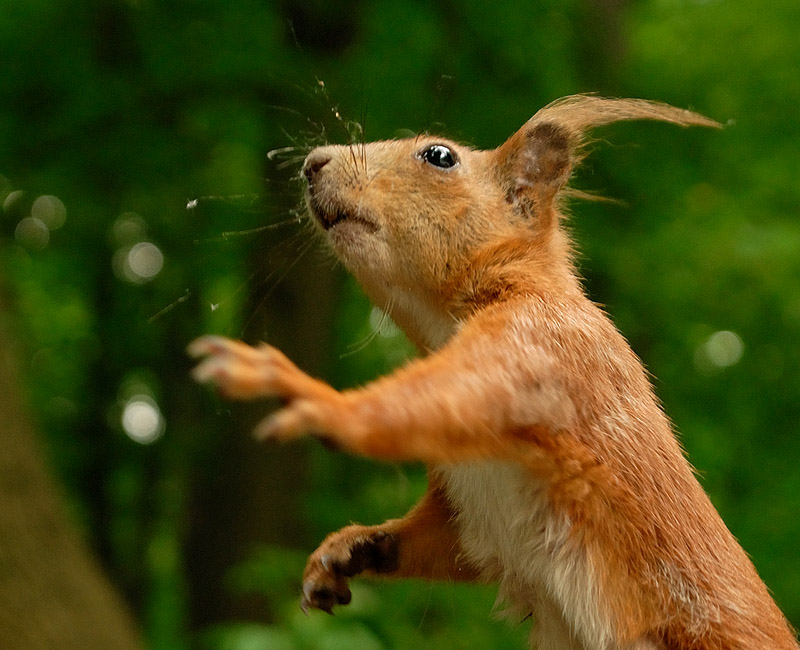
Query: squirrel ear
(536,162)
(546,159)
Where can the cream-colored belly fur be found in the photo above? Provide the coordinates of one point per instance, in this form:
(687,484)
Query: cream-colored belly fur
(509,529)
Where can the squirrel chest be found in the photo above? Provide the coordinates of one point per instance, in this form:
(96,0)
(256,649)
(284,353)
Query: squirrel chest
(510,530)
(503,516)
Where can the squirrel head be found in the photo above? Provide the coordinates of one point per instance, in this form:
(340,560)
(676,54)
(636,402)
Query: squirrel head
(433,229)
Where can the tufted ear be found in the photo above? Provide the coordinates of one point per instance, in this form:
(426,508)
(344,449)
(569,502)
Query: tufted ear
(536,162)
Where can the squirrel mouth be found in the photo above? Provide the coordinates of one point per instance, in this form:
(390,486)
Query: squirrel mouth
(331,217)
(329,220)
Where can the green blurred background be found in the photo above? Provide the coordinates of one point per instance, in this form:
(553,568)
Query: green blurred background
(149,158)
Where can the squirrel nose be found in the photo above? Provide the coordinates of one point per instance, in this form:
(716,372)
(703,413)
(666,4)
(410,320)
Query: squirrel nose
(315,161)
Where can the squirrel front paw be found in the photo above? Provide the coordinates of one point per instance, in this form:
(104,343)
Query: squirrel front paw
(240,371)
(344,554)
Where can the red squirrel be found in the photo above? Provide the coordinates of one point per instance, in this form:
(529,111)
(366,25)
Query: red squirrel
(552,469)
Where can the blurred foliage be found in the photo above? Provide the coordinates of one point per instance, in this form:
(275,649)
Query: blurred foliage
(126,112)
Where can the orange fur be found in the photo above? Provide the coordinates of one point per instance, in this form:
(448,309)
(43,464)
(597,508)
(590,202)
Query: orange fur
(553,470)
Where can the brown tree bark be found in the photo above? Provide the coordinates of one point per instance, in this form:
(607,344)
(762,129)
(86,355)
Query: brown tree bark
(52,592)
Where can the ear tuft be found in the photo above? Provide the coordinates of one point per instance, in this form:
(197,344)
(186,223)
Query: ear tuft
(579,113)
(536,162)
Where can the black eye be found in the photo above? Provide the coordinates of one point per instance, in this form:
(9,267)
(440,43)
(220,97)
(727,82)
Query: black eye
(439,156)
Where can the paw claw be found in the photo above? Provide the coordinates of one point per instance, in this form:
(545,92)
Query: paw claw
(288,423)
(324,598)
(341,556)
(207,371)
(268,428)
(205,345)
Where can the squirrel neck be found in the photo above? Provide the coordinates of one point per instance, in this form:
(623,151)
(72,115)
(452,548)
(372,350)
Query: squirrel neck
(519,266)
(508,270)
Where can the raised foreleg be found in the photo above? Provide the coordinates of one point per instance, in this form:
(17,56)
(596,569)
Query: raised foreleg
(423,544)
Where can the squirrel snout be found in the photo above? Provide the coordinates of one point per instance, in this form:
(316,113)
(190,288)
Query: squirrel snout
(315,161)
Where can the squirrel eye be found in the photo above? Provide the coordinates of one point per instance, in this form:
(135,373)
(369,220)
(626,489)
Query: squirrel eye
(439,156)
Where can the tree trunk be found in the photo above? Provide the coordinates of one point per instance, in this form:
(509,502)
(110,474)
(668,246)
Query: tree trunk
(52,593)
(252,494)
